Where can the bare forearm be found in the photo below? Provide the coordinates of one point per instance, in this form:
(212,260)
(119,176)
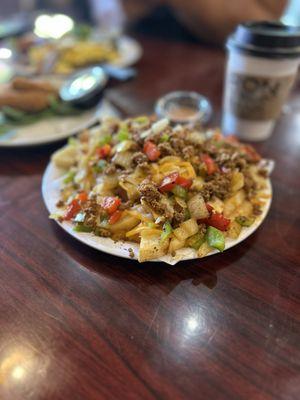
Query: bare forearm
(214,20)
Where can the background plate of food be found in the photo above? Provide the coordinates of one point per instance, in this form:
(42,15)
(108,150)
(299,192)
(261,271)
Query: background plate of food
(69,54)
(31,113)
(147,190)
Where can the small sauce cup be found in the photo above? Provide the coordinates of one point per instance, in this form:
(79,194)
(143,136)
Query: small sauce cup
(186,108)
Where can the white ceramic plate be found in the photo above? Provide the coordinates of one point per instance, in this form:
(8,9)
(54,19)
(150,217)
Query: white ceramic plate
(51,193)
(130,52)
(50,130)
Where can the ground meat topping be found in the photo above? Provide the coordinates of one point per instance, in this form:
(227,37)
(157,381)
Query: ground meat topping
(131,252)
(177,144)
(60,203)
(218,186)
(91,210)
(155,199)
(139,158)
(179,215)
(188,152)
(166,149)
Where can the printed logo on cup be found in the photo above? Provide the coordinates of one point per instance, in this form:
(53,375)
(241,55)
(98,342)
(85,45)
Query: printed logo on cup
(257,97)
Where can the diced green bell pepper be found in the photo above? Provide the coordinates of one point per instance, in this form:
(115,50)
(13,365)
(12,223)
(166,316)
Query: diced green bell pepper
(123,134)
(165,138)
(69,178)
(82,228)
(167,230)
(179,191)
(215,238)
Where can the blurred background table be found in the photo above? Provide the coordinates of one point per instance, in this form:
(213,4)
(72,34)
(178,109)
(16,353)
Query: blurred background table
(79,324)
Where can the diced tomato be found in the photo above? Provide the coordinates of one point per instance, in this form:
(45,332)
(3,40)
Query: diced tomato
(217,220)
(211,166)
(169,182)
(209,208)
(111,204)
(82,196)
(151,150)
(185,183)
(115,217)
(252,153)
(72,210)
(103,151)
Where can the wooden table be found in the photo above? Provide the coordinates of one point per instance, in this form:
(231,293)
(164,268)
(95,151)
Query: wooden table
(77,324)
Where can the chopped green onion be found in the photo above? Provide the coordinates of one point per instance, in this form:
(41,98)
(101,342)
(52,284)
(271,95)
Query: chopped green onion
(165,138)
(123,134)
(245,221)
(69,178)
(215,238)
(167,230)
(82,228)
(179,191)
(151,225)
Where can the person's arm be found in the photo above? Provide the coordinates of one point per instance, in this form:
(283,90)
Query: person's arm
(213,20)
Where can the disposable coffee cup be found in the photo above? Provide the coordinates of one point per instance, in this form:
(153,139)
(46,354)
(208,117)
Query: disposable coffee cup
(262,64)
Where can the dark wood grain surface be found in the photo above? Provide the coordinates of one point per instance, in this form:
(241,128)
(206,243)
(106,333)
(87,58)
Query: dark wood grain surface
(77,324)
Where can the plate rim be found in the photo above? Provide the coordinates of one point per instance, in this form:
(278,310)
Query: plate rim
(80,236)
(96,115)
(138,53)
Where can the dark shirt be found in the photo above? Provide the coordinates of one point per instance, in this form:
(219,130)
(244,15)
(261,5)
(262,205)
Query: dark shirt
(163,24)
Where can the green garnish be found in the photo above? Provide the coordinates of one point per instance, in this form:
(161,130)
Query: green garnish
(215,238)
(179,191)
(123,134)
(165,138)
(82,228)
(69,178)
(244,221)
(167,230)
